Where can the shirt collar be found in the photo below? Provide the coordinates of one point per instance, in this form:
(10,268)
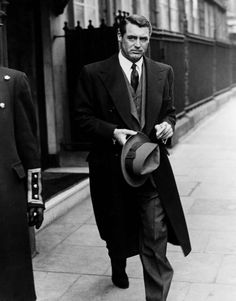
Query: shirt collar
(126,64)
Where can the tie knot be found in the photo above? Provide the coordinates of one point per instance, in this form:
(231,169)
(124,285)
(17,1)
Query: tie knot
(133,67)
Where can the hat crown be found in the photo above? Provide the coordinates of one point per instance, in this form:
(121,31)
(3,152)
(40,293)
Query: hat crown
(139,158)
(146,159)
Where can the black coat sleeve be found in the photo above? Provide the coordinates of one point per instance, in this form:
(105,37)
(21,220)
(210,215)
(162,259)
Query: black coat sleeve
(168,109)
(88,109)
(25,123)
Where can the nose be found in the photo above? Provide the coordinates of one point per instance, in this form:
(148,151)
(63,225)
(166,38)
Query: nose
(137,43)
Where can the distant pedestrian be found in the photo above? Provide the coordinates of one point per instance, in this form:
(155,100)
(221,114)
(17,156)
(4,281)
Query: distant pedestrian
(136,213)
(20,186)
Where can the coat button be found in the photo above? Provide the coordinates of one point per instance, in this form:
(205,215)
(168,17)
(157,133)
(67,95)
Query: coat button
(2,105)
(7,77)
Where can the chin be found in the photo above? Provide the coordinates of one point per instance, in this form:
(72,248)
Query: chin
(135,57)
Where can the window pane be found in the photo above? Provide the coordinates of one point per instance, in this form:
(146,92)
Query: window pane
(79,14)
(144,8)
(211,9)
(127,6)
(174,12)
(91,15)
(206,15)
(164,14)
(195,17)
(117,5)
(85,10)
(188,8)
(90,2)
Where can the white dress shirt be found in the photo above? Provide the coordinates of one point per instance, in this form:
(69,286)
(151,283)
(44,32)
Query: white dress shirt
(126,65)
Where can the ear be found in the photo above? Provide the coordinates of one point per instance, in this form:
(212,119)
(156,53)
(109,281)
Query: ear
(119,36)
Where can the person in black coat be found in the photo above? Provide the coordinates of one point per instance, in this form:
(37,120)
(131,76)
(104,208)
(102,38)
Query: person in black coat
(21,204)
(117,99)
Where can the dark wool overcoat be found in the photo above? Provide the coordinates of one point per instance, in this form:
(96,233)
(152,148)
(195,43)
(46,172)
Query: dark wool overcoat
(18,152)
(102,104)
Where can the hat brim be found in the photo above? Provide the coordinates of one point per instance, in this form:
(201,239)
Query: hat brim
(134,181)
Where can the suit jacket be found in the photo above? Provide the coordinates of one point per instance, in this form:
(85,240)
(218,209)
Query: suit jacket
(102,104)
(18,152)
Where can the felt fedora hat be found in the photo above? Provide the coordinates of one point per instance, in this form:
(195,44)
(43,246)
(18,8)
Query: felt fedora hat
(139,158)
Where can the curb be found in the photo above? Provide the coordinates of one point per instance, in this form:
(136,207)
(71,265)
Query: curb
(63,202)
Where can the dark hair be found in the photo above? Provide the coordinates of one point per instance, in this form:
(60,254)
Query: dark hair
(138,20)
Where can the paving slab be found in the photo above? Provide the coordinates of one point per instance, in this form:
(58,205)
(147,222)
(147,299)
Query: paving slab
(227,272)
(51,286)
(222,243)
(70,258)
(95,288)
(211,292)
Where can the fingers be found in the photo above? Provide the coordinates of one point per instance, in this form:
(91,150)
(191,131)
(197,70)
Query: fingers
(160,128)
(167,134)
(163,130)
(121,135)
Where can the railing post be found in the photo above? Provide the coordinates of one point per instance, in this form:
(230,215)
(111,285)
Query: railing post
(186,63)
(214,68)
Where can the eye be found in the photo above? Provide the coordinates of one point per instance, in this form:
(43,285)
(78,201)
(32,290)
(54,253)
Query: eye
(132,38)
(143,40)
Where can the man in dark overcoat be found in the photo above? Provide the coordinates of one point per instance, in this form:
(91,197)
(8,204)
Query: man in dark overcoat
(117,98)
(21,204)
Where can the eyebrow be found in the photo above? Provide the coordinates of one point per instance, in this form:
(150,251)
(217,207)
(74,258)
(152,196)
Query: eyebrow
(135,37)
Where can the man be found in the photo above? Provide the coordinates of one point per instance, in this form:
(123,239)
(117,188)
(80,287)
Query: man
(115,100)
(20,186)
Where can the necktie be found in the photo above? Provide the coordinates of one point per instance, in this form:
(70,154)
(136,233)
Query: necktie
(134,77)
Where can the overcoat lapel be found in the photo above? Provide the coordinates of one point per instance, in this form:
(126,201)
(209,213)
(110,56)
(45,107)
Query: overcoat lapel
(113,78)
(154,86)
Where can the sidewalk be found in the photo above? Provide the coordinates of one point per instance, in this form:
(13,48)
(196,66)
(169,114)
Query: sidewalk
(72,264)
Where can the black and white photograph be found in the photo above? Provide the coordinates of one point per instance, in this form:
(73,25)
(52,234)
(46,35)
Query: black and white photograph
(117,150)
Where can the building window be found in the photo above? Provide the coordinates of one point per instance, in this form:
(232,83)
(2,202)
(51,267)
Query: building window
(189,14)
(153,13)
(209,20)
(174,15)
(85,10)
(145,9)
(196,28)
(164,18)
(221,24)
(124,5)
(192,13)
(168,15)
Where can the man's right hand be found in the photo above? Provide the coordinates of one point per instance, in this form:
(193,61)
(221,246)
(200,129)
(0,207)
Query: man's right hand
(120,135)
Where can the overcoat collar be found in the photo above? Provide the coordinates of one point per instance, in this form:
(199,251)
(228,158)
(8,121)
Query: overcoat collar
(113,78)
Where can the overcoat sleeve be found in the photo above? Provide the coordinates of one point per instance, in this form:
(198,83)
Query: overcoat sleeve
(89,108)
(25,124)
(26,138)
(168,110)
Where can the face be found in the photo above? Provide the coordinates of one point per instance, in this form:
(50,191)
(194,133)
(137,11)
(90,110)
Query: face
(134,42)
